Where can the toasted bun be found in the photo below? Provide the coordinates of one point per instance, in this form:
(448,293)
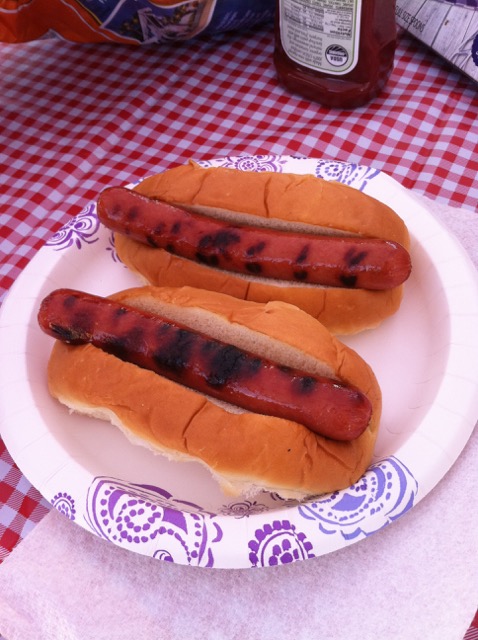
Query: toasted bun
(277,196)
(246,452)
(281,200)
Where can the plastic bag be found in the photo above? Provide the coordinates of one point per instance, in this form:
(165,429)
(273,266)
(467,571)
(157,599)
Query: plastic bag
(135,22)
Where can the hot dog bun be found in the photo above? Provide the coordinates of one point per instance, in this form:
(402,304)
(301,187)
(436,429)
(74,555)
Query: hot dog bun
(246,452)
(286,201)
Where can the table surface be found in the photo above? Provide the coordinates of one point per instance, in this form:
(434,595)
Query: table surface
(77,118)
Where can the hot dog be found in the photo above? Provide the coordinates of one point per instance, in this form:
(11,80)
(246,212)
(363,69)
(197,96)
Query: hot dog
(328,260)
(221,370)
(335,252)
(235,385)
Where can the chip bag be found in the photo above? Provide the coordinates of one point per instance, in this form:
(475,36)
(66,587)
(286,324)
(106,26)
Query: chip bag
(134,22)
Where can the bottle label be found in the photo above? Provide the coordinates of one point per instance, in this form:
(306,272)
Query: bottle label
(322,35)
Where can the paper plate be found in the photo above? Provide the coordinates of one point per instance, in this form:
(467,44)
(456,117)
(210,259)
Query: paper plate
(425,358)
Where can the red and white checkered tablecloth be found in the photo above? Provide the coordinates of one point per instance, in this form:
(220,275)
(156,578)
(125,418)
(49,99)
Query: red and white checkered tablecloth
(76,118)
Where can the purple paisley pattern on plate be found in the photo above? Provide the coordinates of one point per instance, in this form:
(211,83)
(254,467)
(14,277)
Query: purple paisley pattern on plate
(83,228)
(278,543)
(354,175)
(65,504)
(136,516)
(249,163)
(383,494)
(111,249)
(243,508)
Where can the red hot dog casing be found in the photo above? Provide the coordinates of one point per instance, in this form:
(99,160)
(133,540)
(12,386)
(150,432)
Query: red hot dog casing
(277,254)
(244,450)
(286,202)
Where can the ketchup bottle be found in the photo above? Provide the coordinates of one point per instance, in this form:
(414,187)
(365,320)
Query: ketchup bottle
(336,52)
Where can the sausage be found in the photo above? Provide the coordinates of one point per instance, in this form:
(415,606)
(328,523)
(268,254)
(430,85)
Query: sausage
(326,260)
(223,371)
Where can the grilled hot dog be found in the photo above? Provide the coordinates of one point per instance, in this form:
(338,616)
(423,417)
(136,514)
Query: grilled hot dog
(218,380)
(221,370)
(328,260)
(331,250)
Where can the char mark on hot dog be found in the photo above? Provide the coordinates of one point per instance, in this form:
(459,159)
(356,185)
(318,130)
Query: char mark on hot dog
(277,254)
(223,371)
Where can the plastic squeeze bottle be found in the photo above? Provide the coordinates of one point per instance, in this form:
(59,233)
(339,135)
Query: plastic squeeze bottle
(336,52)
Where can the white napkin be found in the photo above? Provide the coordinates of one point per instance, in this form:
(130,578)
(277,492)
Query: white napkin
(416,579)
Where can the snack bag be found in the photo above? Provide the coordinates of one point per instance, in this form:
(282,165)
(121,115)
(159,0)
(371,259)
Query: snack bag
(134,22)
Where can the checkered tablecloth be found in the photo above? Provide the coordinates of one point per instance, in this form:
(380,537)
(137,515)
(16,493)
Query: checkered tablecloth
(76,118)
